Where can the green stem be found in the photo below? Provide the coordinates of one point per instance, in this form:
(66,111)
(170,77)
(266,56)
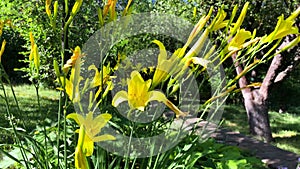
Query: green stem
(65,129)
(44,125)
(58,126)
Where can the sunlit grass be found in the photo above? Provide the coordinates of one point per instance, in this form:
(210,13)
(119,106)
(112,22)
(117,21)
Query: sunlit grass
(29,114)
(285,126)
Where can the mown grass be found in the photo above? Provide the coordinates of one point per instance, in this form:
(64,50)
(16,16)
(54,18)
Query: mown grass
(285,126)
(29,116)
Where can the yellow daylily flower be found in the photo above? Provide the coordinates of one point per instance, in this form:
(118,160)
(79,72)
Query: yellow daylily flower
(237,41)
(71,85)
(282,29)
(198,27)
(110,7)
(164,65)
(2,49)
(92,127)
(71,62)
(101,77)
(174,64)
(138,95)
(219,22)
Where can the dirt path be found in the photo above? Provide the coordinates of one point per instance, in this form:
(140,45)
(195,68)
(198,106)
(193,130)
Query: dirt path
(274,157)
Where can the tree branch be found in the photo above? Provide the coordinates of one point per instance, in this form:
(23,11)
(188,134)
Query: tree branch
(272,71)
(292,66)
(243,80)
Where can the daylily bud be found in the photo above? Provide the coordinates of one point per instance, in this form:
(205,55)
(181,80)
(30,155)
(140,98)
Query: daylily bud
(36,58)
(56,68)
(48,11)
(218,21)
(291,44)
(294,15)
(198,45)
(1,27)
(240,19)
(32,46)
(100,17)
(55,10)
(2,49)
(76,7)
(195,12)
(126,9)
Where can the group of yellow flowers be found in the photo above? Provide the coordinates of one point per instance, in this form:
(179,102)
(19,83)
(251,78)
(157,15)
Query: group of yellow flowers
(141,92)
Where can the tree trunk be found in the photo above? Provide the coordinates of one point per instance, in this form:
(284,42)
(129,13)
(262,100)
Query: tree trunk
(256,107)
(258,117)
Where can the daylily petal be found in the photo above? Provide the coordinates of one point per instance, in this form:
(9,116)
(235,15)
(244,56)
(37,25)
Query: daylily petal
(71,62)
(104,137)
(240,37)
(120,97)
(158,96)
(68,86)
(101,120)
(138,91)
(163,53)
(198,61)
(89,118)
(88,145)
(79,119)
(80,159)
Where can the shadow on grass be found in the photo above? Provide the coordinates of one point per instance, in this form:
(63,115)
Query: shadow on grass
(29,116)
(235,118)
(285,126)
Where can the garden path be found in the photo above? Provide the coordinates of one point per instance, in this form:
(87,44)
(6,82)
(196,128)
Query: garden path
(274,157)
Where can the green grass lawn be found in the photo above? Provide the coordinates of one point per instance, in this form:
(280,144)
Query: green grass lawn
(285,126)
(29,114)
